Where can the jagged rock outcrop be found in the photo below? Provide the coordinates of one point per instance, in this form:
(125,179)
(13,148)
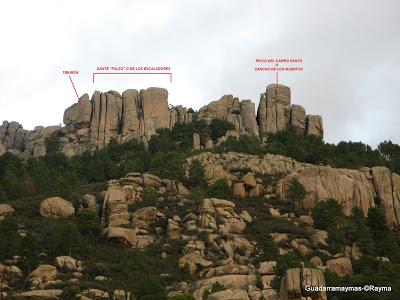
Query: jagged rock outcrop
(13,137)
(36,146)
(219,215)
(363,188)
(276,114)
(352,188)
(131,228)
(314,125)
(240,113)
(92,123)
(274,109)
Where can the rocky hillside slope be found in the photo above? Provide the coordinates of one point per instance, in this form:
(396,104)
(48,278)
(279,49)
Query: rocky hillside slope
(239,248)
(362,188)
(92,123)
(222,259)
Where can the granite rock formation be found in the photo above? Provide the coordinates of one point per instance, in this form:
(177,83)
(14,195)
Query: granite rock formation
(13,137)
(239,113)
(92,123)
(275,113)
(363,188)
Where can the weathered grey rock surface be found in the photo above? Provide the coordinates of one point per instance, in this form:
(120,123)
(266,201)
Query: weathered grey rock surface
(352,188)
(275,113)
(92,123)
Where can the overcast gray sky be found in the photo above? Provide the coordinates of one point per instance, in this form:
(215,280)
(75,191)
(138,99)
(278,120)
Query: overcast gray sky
(351,53)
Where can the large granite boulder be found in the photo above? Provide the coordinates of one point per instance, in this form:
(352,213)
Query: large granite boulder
(42,274)
(314,126)
(125,236)
(297,281)
(66,263)
(240,113)
(341,266)
(6,209)
(56,207)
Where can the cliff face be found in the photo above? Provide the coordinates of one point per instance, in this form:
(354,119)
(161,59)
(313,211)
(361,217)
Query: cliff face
(363,188)
(90,124)
(275,113)
(123,117)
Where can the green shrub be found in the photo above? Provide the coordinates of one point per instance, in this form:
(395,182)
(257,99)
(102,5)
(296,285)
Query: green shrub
(296,193)
(69,293)
(149,287)
(149,195)
(336,239)
(267,245)
(10,239)
(245,144)
(284,262)
(162,141)
(88,222)
(29,251)
(197,174)
(133,165)
(357,231)
(220,189)
(63,238)
(52,143)
(197,194)
(327,213)
(218,128)
(168,165)
(216,287)
(376,221)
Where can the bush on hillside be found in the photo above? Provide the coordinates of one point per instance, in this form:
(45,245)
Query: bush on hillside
(296,193)
(218,128)
(220,189)
(168,165)
(88,222)
(63,238)
(248,144)
(327,213)
(197,175)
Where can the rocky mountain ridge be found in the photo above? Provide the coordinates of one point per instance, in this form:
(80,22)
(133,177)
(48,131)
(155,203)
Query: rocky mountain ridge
(90,124)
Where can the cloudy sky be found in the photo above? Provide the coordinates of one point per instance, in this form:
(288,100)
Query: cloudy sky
(351,53)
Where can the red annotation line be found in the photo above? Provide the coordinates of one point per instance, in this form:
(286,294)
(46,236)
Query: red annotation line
(134,73)
(73,87)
